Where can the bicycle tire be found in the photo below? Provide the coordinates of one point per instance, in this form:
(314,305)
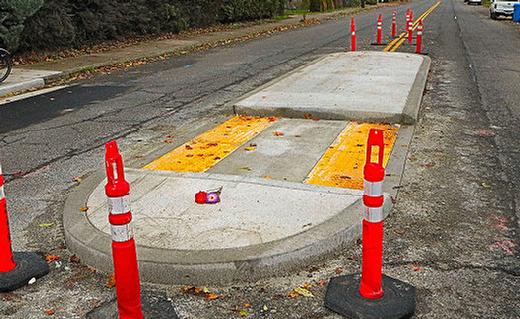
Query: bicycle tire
(6,64)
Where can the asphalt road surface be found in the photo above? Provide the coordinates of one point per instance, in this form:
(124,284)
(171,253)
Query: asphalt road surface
(454,233)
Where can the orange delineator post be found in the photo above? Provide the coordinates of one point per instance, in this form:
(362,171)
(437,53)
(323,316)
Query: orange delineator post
(353,42)
(6,253)
(371,294)
(379,29)
(117,189)
(410,31)
(372,237)
(394,24)
(418,46)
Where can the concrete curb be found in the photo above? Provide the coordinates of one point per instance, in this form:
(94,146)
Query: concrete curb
(22,86)
(168,266)
(395,167)
(413,103)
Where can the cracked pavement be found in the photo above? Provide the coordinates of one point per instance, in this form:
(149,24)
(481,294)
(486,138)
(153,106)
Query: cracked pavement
(454,232)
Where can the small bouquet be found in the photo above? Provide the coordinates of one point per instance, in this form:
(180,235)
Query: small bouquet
(208,197)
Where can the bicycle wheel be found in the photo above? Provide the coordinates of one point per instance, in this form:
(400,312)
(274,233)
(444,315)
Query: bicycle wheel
(6,64)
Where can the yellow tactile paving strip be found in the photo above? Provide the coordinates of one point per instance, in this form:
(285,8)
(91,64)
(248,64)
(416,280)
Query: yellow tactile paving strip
(342,164)
(209,148)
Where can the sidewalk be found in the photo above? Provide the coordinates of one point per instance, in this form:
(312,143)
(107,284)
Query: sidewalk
(152,50)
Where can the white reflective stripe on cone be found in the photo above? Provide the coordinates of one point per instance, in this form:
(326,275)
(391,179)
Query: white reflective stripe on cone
(373,214)
(119,205)
(121,233)
(353,33)
(373,189)
(2,193)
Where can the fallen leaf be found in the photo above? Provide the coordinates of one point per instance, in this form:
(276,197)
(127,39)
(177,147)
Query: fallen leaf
(250,148)
(83,209)
(51,258)
(416,268)
(111,282)
(203,292)
(50,312)
(300,292)
(244,313)
(188,147)
(338,270)
(400,231)
(46,225)
(77,179)
(278,133)
(307,285)
(248,305)
(212,296)
(92,269)
(74,259)
(323,282)
(245,168)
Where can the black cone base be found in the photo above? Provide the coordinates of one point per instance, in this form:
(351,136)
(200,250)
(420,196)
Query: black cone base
(28,265)
(154,307)
(343,298)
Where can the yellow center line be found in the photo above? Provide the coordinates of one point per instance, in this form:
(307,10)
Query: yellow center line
(342,164)
(209,148)
(396,43)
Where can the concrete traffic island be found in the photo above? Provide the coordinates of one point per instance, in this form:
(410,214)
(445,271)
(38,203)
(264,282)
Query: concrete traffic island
(260,228)
(361,86)
(275,175)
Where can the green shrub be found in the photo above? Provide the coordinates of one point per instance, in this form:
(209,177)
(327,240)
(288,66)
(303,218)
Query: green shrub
(240,10)
(315,5)
(73,23)
(13,14)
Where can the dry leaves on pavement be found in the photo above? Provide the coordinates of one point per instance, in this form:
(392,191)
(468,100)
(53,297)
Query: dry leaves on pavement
(51,258)
(202,292)
(111,282)
(304,291)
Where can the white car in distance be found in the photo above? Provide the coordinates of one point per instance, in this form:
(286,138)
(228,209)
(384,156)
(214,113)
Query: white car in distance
(501,8)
